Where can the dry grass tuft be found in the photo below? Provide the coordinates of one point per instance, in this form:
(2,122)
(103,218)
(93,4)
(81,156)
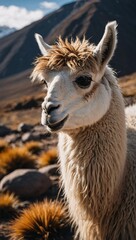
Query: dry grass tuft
(33,147)
(47,158)
(8,205)
(41,221)
(16,158)
(3,145)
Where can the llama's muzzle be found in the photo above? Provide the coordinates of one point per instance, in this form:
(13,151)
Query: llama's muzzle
(51,116)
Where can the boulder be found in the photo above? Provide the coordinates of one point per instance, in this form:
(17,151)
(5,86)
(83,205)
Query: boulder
(50,169)
(4,130)
(26,183)
(1,176)
(23,127)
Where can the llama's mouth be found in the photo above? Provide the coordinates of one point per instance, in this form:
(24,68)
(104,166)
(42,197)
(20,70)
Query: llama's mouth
(57,126)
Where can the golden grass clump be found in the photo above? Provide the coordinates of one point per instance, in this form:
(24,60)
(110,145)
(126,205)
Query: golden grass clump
(33,147)
(8,205)
(47,158)
(3,145)
(16,158)
(41,221)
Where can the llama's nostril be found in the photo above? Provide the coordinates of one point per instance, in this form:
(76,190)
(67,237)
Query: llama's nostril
(51,108)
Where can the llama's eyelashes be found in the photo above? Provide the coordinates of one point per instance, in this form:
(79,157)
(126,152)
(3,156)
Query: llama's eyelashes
(44,82)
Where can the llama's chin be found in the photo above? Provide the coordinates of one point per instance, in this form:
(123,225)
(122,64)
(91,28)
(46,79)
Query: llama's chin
(56,126)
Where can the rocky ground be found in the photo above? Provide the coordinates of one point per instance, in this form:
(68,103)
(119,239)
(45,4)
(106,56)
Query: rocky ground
(19,128)
(28,184)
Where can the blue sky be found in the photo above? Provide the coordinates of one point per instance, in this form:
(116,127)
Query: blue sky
(31,5)
(19,13)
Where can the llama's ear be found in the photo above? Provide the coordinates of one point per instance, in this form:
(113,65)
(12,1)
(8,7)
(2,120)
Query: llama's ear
(44,47)
(106,47)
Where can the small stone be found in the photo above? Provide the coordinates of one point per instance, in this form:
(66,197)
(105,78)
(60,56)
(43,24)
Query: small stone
(26,183)
(23,127)
(26,137)
(13,138)
(4,130)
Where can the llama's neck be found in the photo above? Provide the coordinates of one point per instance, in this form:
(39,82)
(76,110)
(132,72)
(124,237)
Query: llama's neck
(93,159)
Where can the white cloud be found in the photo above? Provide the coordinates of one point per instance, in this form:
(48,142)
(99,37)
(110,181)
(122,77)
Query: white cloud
(18,17)
(49,5)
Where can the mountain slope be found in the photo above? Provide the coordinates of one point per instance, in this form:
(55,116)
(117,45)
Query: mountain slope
(90,21)
(18,50)
(4,31)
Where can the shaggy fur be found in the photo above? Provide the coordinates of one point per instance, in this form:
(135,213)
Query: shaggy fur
(98,179)
(74,55)
(98,160)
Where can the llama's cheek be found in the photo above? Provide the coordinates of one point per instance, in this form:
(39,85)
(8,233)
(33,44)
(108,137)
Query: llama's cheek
(72,123)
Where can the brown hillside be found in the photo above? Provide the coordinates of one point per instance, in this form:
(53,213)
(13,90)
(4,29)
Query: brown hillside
(18,50)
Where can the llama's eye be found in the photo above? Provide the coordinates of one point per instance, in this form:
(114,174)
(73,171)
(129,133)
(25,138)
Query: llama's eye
(44,82)
(83,81)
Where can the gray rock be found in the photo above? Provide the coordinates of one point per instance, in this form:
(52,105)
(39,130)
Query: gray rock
(1,176)
(4,130)
(50,169)
(13,138)
(26,183)
(39,128)
(44,134)
(23,127)
(26,137)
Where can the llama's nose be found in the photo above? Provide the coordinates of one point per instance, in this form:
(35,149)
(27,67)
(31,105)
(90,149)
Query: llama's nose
(50,107)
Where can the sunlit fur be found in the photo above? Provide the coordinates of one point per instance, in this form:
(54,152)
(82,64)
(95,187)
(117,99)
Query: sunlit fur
(97,155)
(74,54)
(43,221)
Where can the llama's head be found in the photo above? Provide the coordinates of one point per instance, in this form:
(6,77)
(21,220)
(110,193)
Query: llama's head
(77,93)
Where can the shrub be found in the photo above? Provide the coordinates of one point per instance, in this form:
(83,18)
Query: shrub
(16,158)
(47,158)
(8,205)
(33,147)
(3,145)
(41,221)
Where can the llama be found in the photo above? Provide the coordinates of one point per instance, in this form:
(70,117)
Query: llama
(97,151)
